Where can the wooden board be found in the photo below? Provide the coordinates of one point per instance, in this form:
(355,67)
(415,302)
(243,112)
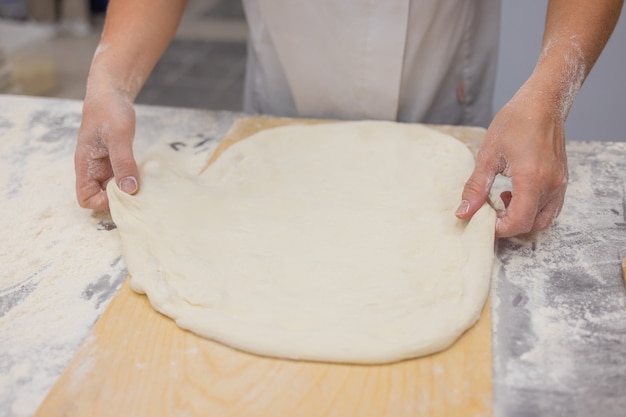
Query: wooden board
(136,362)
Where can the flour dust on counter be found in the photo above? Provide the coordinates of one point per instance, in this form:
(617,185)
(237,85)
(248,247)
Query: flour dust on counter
(560,311)
(47,298)
(59,264)
(318,242)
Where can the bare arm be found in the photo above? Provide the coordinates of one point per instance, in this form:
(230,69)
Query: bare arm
(135,35)
(526,139)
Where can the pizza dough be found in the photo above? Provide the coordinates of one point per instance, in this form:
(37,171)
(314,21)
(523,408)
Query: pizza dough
(333,242)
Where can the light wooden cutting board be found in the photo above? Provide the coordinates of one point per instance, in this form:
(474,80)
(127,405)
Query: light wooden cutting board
(136,362)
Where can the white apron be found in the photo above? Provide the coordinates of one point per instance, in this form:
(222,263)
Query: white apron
(408,60)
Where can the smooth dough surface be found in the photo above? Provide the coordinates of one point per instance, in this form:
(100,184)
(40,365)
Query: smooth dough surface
(334,242)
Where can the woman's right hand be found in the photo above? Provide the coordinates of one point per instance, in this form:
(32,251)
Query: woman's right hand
(104,150)
(134,36)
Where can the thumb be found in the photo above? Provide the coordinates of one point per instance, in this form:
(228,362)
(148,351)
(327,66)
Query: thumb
(476,190)
(124,167)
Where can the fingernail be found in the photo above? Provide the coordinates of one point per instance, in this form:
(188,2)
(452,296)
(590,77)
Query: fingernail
(128,185)
(463,208)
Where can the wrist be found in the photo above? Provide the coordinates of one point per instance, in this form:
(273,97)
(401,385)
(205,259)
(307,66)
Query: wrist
(558,76)
(111,73)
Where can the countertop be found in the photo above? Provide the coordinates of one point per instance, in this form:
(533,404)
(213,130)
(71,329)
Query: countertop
(558,299)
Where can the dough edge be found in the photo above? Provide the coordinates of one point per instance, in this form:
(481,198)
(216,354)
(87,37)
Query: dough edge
(165,300)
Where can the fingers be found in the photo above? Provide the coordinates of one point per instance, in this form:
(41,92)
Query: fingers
(97,201)
(508,224)
(104,150)
(519,216)
(92,174)
(546,216)
(528,209)
(96,163)
(124,166)
(533,205)
(477,187)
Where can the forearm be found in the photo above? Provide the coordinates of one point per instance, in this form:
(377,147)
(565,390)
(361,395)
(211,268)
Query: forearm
(575,34)
(135,35)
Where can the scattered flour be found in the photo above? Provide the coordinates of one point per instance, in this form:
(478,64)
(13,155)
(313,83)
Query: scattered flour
(59,264)
(559,306)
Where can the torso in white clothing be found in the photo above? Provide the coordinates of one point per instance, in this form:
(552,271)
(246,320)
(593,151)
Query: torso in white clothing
(409,60)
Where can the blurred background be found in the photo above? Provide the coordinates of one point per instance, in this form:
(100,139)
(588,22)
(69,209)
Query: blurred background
(46,48)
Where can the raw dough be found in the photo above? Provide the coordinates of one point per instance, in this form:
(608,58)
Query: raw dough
(333,242)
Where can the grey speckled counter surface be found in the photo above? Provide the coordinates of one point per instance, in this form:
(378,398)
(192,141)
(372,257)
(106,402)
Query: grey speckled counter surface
(558,300)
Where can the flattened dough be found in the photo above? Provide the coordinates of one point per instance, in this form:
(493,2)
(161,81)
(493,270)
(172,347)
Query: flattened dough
(333,242)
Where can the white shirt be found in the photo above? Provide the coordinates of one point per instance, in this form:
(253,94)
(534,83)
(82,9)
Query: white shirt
(428,61)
